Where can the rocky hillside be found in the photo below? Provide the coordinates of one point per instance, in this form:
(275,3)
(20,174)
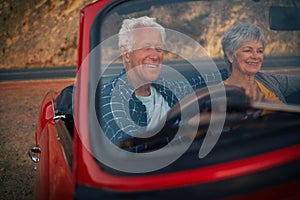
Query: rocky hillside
(39,32)
(44,32)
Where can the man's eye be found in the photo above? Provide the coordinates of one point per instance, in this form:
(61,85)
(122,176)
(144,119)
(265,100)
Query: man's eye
(146,48)
(159,49)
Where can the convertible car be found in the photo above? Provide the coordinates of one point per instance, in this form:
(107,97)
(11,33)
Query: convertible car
(225,153)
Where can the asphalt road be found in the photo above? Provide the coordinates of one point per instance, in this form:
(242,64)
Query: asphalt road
(38,73)
(271,64)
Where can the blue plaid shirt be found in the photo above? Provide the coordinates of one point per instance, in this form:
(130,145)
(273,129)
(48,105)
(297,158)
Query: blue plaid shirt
(122,115)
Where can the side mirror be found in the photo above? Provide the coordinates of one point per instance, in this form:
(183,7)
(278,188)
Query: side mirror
(284,18)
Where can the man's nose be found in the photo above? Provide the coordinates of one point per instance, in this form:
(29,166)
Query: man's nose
(154,54)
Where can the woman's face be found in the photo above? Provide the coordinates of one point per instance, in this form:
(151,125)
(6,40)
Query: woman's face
(144,63)
(248,58)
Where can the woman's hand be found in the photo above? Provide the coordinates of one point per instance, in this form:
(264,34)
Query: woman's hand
(254,93)
(251,89)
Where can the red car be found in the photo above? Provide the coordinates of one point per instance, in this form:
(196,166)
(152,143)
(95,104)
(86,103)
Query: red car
(254,158)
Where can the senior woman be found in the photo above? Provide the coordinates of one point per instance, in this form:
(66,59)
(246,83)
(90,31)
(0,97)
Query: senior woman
(243,47)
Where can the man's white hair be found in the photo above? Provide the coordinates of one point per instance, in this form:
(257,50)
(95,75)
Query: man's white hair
(125,37)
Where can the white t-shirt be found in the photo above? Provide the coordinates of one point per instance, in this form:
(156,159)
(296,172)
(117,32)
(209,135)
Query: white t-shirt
(156,107)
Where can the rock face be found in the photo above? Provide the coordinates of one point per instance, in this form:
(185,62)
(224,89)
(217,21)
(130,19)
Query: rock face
(39,32)
(44,32)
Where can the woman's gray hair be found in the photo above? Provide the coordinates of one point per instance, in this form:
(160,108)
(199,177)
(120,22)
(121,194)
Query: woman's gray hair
(239,33)
(125,36)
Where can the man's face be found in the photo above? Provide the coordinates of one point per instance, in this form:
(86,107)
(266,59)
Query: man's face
(144,63)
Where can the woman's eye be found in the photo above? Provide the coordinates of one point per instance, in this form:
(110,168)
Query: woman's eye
(261,51)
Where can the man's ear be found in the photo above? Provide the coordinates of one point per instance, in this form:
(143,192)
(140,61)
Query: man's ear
(229,56)
(124,53)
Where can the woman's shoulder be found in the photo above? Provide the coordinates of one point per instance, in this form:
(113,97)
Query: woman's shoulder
(261,76)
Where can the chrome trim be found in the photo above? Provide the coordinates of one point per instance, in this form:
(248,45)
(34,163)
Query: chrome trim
(34,154)
(59,117)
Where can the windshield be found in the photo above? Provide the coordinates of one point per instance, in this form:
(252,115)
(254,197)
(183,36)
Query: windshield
(192,48)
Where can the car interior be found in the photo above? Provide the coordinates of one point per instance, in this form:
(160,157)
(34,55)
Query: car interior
(249,135)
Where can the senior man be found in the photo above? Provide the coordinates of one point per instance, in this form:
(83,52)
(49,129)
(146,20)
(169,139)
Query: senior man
(138,99)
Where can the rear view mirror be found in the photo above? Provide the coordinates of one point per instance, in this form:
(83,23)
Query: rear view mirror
(284,18)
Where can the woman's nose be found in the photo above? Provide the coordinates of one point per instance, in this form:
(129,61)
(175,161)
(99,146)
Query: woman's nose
(255,54)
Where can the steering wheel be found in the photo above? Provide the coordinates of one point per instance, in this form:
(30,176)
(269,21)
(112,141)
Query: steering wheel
(235,99)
